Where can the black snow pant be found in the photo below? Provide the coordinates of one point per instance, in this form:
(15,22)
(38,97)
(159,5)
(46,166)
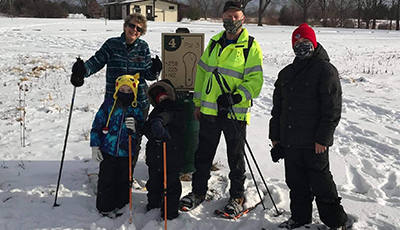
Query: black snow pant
(308,176)
(209,137)
(139,140)
(113,184)
(155,184)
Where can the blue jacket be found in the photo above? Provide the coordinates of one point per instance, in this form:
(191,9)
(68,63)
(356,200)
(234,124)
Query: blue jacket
(121,61)
(116,141)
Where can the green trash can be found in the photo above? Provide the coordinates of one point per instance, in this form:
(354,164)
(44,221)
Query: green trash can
(191,133)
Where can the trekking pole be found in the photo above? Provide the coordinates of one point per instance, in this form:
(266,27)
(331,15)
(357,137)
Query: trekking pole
(130,179)
(237,127)
(165,182)
(65,146)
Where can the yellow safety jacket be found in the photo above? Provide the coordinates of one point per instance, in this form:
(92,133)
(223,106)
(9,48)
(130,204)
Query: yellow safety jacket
(243,77)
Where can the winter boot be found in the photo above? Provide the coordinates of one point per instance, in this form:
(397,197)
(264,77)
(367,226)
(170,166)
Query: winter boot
(234,206)
(190,201)
(111,215)
(291,224)
(347,225)
(185,177)
(152,206)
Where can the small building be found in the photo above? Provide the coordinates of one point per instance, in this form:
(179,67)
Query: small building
(154,10)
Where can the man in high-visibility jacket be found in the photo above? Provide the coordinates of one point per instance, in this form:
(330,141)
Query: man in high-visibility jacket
(228,74)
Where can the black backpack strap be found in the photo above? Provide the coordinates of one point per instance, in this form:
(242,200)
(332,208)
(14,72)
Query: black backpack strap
(212,46)
(246,51)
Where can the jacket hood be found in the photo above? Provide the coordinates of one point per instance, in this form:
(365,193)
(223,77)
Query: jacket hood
(167,86)
(320,53)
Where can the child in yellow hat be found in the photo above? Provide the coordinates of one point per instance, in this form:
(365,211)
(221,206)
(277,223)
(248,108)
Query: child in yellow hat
(117,118)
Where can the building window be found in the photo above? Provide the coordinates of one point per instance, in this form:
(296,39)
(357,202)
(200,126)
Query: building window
(136,9)
(171,7)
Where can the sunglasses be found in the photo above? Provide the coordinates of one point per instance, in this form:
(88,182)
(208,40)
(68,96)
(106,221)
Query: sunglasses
(138,28)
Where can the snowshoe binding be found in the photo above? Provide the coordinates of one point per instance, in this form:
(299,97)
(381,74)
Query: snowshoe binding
(234,209)
(291,224)
(190,201)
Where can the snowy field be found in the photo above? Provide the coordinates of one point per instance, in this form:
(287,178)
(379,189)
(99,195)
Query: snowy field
(36,56)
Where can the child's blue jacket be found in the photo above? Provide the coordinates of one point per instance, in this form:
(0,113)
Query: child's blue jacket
(116,141)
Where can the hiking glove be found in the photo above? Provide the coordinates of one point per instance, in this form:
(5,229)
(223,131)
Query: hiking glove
(224,101)
(227,99)
(96,154)
(156,67)
(78,73)
(130,123)
(158,130)
(277,153)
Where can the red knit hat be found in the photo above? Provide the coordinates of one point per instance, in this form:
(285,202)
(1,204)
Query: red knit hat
(304,31)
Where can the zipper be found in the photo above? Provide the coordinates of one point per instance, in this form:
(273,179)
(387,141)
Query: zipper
(120,130)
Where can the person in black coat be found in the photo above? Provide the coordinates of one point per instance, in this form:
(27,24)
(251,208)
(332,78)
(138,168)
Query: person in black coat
(165,124)
(307,103)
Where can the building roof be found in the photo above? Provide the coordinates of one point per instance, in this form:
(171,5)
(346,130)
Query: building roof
(133,1)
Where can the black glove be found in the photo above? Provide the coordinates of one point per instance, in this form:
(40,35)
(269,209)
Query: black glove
(158,130)
(156,67)
(78,73)
(224,101)
(277,153)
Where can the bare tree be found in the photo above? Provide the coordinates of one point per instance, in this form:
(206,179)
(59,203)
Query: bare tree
(398,15)
(203,5)
(305,5)
(261,10)
(323,6)
(245,2)
(339,10)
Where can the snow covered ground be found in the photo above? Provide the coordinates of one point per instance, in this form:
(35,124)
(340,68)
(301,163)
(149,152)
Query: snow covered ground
(36,56)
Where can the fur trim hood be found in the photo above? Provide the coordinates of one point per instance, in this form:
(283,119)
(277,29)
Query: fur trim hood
(166,85)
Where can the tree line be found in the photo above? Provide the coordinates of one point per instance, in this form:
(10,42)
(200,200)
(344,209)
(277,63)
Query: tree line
(327,13)
(50,9)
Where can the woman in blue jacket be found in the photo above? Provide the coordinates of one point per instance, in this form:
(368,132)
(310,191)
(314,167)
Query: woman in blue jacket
(126,54)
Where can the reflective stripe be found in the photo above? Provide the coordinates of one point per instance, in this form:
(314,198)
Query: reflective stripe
(221,70)
(256,68)
(246,92)
(214,106)
(230,72)
(197,95)
(205,66)
(241,110)
(209,105)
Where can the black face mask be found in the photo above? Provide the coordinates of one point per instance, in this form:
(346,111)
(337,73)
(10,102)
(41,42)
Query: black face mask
(303,50)
(232,26)
(166,103)
(126,98)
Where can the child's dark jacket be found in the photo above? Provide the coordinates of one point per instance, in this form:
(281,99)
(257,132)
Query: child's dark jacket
(173,117)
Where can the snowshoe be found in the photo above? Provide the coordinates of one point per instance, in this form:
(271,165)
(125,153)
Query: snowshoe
(347,225)
(190,201)
(291,224)
(224,214)
(111,215)
(234,206)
